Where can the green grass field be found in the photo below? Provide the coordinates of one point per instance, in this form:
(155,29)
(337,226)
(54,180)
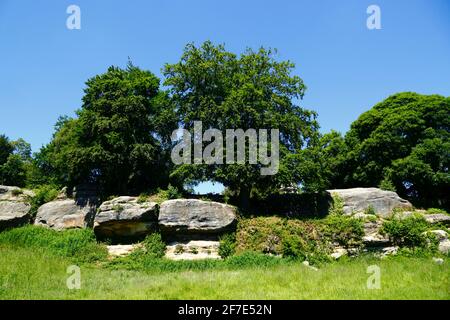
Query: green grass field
(30,273)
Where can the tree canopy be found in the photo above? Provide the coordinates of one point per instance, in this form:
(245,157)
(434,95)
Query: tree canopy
(402,141)
(250,91)
(117,139)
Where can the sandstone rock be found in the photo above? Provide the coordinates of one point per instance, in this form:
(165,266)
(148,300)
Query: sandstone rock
(191,216)
(66,214)
(439,234)
(389,251)
(193,250)
(438,218)
(339,252)
(120,250)
(125,217)
(444,246)
(372,236)
(14,207)
(359,199)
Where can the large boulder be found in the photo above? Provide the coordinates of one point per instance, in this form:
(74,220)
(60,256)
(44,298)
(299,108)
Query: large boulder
(66,213)
(191,216)
(14,207)
(359,199)
(125,217)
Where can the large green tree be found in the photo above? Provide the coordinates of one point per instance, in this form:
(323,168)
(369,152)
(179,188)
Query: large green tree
(119,139)
(15,157)
(250,91)
(403,140)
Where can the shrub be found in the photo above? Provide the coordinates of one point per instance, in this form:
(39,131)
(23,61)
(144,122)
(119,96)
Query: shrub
(227,246)
(408,231)
(78,244)
(387,185)
(287,237)
(344,230)
(436,211)
(42,195)
(370,210)
(143,197)
(154,246)
(337,206)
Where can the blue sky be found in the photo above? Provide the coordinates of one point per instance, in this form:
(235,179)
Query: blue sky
(346,67)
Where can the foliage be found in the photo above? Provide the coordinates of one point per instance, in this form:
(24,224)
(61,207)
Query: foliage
(227,246)
(42,195)
(77,244)
(337,205)
(287,237)
(387,185)
(154,246)
(15,157)
(402,142)
(436,211)
(224,91)
(119,138)
(370,210)
(408,231)
(344,230)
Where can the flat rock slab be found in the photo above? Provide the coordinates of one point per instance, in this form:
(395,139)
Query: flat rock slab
(359,199)
(121,250)
(125,217)
(14,207)
(192,216)
(66,214)
(437,218)
(193,250)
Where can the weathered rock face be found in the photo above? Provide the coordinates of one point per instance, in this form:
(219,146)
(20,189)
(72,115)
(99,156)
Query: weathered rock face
(125,217)
(67,213)
(437,218)
(359,199)
(193,250)
(191,216)
(14,209)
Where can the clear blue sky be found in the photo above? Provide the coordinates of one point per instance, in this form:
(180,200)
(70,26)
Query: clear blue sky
(346,67)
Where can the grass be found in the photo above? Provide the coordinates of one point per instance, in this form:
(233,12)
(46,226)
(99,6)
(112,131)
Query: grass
(27,273)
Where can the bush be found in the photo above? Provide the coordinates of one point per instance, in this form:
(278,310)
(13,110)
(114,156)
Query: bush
(436,211)
(408,231)
(43,194)
(337,206)
(370,210)
(344,230)
(78,244)
(154,246)
(287,237)
(227,246)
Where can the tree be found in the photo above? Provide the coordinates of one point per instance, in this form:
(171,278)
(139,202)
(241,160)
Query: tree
(117,141)
(6,148)
(14,158)
(401,141)
(252,91)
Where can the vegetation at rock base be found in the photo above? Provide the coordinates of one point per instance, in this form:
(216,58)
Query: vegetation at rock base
(78,245)
(29,273)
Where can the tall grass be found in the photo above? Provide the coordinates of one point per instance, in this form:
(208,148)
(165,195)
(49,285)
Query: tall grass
(77,244)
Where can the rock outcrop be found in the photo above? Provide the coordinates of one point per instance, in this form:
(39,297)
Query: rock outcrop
(359,199)
(14,207)
(437,218)
(191,216)
(67,213)
(193,250)
(125,217)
